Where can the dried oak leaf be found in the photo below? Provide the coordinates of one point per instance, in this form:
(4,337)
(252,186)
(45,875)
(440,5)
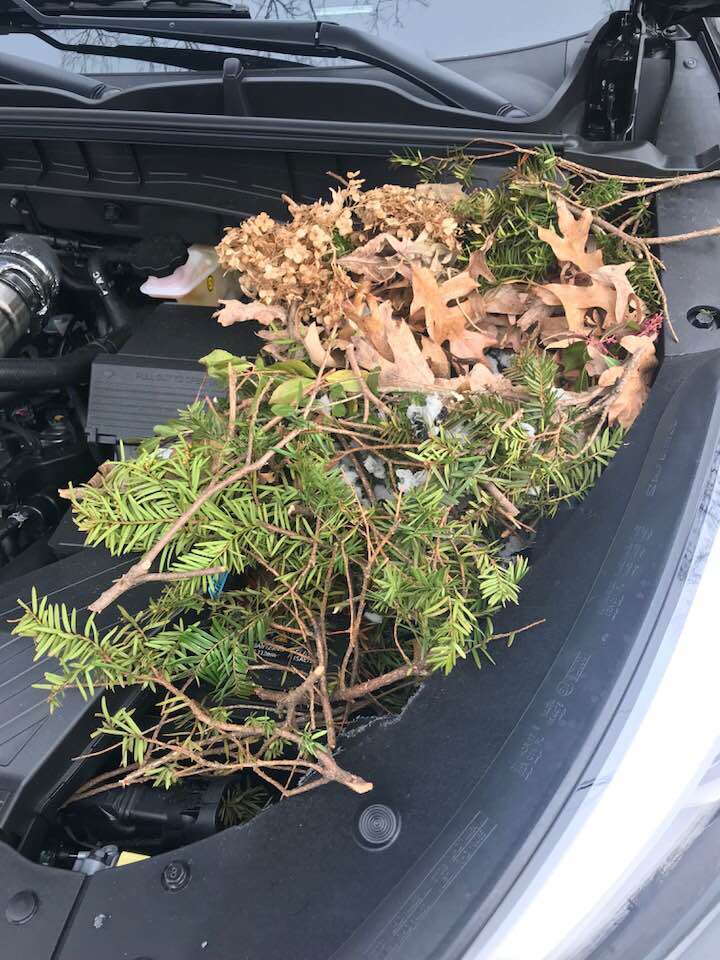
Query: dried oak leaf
(472,344)
(409,368)
(571,246)
(628,305)
(367,260)
(479,380)
(535,315)
(430,253)
(478,266)
(236,311)
(597,363)
(372,320)
(576,299)
(442,322)
(631,380)
(509,298)
(436,357)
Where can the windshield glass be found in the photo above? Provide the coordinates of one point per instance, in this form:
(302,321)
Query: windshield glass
(441,29)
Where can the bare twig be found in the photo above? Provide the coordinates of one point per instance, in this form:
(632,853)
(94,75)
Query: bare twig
(366,391)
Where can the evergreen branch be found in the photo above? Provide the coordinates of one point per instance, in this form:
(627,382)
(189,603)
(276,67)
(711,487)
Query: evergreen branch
(140,569)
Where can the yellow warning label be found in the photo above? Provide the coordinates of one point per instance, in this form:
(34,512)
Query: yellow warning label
(127,856)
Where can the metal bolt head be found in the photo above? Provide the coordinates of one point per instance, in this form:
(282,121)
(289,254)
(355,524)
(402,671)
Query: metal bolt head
(112,212)
(22,907)
(690,63)
(176,875)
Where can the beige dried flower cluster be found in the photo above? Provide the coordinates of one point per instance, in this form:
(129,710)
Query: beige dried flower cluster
(296,263)
(384,280)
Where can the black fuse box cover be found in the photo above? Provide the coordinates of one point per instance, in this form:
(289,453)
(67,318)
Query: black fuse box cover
(156,373)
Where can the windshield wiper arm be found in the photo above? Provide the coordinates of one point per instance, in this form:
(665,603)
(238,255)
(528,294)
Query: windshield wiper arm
(297,37)
(34,74)
(181,57)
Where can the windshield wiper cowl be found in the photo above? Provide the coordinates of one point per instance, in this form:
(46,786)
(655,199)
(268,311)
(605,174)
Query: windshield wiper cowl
(298,38)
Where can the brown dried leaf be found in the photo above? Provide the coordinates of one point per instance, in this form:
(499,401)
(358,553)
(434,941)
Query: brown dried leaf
(435,356)
(597,364)
(318,353)
(575,232)
(373,324)
(429,252)
(576,300)
(553,331)
(441,322)
(236,311)
(367,260)
(508,298)
(458,287)
(536,314)
(450,192)
(471,345)
(479,380)
(615,276)
(478,266)
(409,368)
(633,379)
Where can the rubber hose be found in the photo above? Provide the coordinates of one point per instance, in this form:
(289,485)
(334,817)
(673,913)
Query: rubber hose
(26,375)
(117,313)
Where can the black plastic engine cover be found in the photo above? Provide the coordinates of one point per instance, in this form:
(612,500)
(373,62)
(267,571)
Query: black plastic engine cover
(156,373)
(37,769)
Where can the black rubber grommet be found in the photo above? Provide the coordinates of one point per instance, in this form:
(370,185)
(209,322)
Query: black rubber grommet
(704,317)
(22,907)
(378,826)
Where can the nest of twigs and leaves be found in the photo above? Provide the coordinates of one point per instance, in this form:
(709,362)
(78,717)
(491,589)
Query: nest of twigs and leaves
(442,367)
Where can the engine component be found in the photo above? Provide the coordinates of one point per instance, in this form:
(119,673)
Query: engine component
(29,280)
(156,372)
(23,374)
(142,817)
(117,312)
(159,255)
(91,861)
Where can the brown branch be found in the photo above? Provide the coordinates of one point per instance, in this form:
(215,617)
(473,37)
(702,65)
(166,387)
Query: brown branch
(366,391)
(232,401)
(682,237)
(325,762)
(170,576)
(669,184)
(507,506)
(359,690)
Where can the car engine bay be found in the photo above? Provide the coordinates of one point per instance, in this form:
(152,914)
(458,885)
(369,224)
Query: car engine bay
(89,365)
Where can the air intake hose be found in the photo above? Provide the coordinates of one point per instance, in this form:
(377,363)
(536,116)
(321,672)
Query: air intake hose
(29,280)
(20,374)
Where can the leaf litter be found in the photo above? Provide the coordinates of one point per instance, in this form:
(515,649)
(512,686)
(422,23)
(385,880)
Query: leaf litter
(400,281)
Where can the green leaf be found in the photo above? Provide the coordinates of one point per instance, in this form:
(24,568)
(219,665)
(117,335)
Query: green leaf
(216,363)
(289,393)
(298,367)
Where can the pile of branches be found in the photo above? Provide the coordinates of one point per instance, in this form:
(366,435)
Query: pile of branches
(446,366)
